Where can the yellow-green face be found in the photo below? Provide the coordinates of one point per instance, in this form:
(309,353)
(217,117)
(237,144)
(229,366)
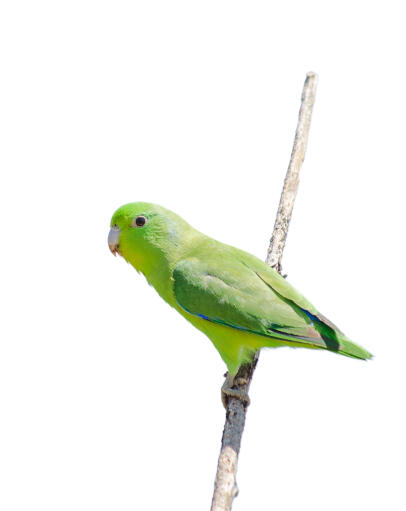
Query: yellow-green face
(141,232)
(124,225)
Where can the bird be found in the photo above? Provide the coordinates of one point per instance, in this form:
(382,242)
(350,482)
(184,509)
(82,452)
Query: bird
(238,301)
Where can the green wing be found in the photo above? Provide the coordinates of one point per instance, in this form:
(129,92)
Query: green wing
(246,294)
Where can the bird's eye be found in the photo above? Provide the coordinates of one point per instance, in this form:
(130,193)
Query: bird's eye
(139,221)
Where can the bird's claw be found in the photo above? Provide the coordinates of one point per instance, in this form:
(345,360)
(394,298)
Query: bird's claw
(228,390)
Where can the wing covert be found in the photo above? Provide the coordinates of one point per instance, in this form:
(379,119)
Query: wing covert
(236,296)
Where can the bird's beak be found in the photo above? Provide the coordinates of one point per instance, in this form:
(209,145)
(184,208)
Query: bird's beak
(113,239)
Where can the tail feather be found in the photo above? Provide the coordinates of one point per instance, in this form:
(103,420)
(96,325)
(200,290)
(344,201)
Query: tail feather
(351,349)
(330,332)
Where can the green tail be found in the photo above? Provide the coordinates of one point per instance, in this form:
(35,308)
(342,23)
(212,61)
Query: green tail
(328,336)
(350,349)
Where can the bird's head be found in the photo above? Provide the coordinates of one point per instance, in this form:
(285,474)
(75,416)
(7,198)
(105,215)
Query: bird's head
(143,233)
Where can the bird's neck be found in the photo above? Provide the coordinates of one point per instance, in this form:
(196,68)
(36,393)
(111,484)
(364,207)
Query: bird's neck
(158,262)
(158,272)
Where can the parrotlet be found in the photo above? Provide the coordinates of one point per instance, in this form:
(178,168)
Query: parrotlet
(238,301)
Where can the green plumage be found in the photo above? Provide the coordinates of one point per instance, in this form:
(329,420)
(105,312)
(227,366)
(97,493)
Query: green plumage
(237,300)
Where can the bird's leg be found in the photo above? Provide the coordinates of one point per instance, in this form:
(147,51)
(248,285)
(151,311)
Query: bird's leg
(227,390)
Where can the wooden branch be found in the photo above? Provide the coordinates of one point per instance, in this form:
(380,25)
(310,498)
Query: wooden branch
(287,200)
(225,487)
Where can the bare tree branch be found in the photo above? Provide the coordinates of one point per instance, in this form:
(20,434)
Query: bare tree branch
(225,487)
(287,200)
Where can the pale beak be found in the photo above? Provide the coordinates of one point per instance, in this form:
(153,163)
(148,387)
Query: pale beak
(113,239)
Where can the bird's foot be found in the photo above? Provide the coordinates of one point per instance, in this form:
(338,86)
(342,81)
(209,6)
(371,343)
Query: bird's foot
(228,390)
(278,268)
(240,381)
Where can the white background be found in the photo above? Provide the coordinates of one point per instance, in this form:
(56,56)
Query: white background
(109,400)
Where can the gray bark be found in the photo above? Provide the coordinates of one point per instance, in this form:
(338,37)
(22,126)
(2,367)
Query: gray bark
(225,487)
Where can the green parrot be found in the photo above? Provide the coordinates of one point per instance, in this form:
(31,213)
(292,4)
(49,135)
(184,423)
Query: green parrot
(238,301)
